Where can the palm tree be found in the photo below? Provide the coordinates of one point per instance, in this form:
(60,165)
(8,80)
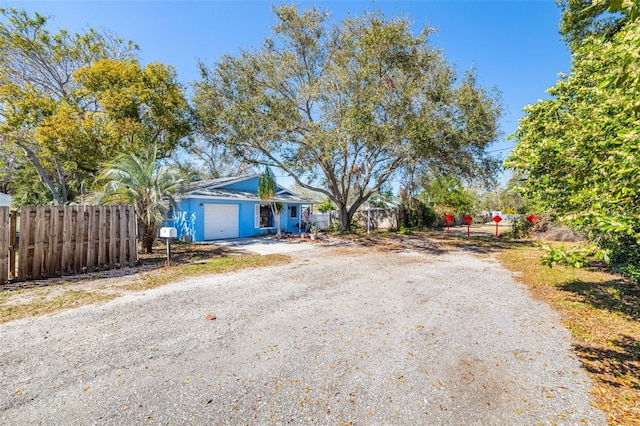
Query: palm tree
(140,181)
(267,191)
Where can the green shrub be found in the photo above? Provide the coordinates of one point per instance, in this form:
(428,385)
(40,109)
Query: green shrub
(326,206)
(625,254)
(416,215)
(405,231)
(520,227)
(575,256)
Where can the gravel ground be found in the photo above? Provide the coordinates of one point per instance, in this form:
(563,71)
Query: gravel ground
(342,335)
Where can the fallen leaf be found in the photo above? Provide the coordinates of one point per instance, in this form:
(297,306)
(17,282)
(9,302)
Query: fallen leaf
(210,317)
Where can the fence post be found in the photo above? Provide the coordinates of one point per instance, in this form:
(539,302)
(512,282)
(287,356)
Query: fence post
(13,243)
(80,255)
(5,243)
(25,260)
(133,236)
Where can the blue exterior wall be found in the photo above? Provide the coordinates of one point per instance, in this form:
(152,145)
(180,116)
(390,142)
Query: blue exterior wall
(247,185)
(190,219)
(291,223)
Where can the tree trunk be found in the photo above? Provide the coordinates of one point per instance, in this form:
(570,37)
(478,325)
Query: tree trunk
(62,180)
(44,177)
(148,238)
(276,219)
(345,219)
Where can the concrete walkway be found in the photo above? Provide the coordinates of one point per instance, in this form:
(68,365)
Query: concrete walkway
(265,245)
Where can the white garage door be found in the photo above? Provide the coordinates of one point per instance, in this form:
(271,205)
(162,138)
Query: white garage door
(221,221)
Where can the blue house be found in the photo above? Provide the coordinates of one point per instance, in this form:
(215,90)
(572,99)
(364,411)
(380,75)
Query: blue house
(231,208)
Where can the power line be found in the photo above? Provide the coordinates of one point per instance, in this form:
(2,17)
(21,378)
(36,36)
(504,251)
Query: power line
(502,149)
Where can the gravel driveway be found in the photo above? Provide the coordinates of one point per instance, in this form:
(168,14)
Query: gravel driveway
(341,335)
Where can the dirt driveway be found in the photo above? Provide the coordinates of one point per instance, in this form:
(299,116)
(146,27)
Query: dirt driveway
(342,335)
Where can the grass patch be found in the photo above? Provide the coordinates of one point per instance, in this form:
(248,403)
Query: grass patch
(602,312)
(217,265)
(68,299)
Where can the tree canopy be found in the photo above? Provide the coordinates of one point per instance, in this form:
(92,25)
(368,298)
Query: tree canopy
(585,19)
(342,108)
(447,195)
(71,102)
(579,151)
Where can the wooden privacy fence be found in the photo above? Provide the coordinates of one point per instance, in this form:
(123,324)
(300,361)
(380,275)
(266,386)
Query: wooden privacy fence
(55,241)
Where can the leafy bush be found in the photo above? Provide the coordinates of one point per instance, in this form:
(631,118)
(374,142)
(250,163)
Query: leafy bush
(416,215)
(405,231)
(625,254)
(575,256)
(520,227)
(334,227)
(326,206)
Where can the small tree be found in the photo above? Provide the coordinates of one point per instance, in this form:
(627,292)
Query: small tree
(267,187)
(140,181)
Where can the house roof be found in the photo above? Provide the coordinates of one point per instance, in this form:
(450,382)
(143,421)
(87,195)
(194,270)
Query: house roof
(219,182)
(215,189)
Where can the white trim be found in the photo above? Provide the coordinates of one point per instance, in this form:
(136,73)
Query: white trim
(256,200)
(256,216)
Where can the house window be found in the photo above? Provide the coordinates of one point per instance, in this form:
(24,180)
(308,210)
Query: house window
(266,218)
(293,212)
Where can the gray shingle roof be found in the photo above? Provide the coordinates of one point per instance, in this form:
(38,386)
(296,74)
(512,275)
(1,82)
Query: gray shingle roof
(214,188)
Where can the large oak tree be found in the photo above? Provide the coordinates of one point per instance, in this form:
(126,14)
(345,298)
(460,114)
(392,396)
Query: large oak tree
(342,108)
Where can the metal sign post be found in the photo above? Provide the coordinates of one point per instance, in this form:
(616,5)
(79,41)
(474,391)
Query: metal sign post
(468,219)
(448,217)
(497,220)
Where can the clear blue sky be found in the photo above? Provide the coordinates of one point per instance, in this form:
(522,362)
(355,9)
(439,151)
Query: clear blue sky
(514,44)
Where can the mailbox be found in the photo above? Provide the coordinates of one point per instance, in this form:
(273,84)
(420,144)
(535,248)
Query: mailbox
(168,232)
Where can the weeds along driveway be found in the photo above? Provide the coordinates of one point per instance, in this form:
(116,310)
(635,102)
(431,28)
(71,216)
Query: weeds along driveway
(340,335)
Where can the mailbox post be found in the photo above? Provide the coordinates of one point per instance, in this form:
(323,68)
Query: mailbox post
(168,233)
